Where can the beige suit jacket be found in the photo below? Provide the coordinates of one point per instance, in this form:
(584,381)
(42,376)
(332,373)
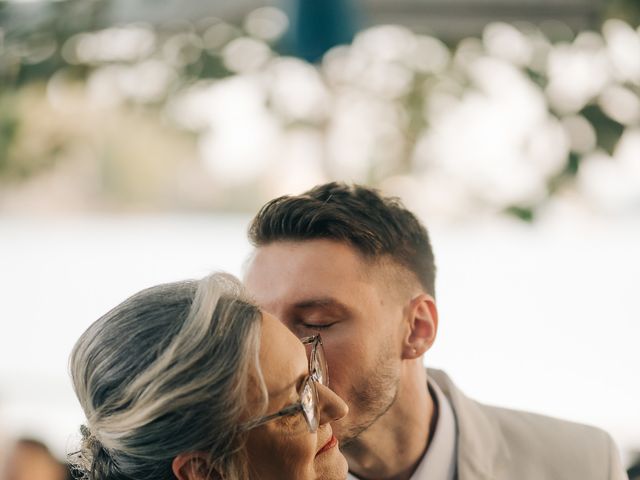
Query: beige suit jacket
(500,444)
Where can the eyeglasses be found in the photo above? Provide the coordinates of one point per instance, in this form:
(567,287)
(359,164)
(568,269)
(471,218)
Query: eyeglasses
(308,392)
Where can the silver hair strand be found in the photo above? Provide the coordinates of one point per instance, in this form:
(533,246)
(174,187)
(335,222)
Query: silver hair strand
(166,372)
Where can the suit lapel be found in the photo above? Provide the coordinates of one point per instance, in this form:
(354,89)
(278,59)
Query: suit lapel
(482,451)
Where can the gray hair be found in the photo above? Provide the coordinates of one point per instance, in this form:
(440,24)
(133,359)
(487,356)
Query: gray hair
(166,372)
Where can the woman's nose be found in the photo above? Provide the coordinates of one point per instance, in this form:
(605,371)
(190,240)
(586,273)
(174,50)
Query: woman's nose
(332,407)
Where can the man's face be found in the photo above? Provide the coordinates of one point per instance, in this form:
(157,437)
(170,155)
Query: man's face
(327,287)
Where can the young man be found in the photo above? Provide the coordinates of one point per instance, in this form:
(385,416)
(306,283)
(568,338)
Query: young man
(358,268)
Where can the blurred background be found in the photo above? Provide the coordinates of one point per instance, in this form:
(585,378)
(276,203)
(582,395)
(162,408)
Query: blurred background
(137,138)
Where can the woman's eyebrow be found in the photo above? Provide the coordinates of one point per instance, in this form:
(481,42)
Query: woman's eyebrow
(295,383)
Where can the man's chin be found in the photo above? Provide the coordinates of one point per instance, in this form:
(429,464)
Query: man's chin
(346,431)
(367,405)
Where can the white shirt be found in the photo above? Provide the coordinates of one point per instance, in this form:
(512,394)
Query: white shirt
(439,461)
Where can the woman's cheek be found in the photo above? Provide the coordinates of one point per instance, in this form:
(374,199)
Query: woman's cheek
(284,451)
(299,455)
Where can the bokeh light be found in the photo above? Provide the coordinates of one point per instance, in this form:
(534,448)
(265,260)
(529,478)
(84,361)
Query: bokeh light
(524,137)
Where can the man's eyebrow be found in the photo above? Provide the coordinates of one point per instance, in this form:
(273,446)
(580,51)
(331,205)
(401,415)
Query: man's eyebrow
(325,303)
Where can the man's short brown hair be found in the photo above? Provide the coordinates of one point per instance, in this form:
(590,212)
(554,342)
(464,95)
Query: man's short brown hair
(376,226)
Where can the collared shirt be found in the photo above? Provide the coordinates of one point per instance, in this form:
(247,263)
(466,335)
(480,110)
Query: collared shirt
(439,461)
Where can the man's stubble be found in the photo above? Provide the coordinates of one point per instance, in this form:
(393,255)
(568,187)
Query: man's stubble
(374,395)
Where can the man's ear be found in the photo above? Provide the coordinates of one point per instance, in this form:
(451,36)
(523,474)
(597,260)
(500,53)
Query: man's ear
(194,466)
(423,326)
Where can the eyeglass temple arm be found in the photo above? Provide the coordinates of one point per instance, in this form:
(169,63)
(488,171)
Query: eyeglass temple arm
(267,418)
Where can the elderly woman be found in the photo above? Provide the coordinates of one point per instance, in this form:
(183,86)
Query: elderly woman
(191,381)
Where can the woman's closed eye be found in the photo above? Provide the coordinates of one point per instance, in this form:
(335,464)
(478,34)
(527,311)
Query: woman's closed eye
(294,422)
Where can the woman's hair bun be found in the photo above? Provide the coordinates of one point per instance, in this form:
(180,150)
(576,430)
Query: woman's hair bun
(92,461)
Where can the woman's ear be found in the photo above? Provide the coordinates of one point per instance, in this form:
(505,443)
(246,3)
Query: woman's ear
(423,326)
(194,466)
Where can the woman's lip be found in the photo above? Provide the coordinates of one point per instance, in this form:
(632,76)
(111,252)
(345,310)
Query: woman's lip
(332,442)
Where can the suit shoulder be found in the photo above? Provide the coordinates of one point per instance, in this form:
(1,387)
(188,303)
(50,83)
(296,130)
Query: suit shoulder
(515,421)
(563,443)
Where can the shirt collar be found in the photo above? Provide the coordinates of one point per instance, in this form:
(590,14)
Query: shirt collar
(439,461)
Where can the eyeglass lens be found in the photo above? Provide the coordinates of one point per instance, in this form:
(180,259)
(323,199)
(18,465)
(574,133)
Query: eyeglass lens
(309,400)
(318,363)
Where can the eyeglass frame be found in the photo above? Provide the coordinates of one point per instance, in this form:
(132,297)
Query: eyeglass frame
(311,379)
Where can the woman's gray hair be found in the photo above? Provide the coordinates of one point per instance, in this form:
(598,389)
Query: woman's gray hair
(166,372)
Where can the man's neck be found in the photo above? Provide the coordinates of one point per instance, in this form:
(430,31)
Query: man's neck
(393,446)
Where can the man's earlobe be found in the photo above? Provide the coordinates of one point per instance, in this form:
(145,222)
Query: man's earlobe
(194,466)
(423,326)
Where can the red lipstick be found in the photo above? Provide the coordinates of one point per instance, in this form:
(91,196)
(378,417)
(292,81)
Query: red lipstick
(332,442)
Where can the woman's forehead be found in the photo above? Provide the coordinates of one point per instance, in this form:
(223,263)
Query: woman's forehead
(283,358)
